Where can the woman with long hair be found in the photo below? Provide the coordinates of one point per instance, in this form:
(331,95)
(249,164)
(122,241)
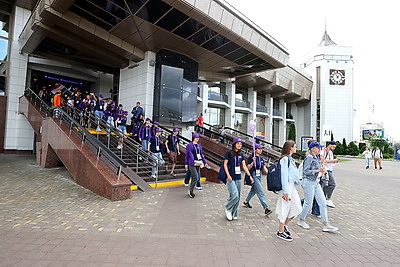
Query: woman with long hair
(288,205)
(234,158)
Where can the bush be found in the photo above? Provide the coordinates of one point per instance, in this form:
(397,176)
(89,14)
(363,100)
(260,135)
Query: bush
(339,149)
(387,156)
(344,151)
(352,149)
(361,146)
(292,132)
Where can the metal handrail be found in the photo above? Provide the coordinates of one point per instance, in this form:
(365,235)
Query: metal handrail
(250,138)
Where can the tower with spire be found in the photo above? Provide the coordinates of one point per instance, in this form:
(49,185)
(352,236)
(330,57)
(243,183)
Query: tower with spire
(331,105)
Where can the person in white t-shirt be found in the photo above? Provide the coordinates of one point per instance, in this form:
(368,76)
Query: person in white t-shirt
(367,155)
(329,161)
(377,156)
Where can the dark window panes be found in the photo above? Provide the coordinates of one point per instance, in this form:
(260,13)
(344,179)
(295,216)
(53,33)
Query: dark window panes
(189,101)
(116,9)
(170,94)
(203,35)
(90,17)
(237,54)
(215,42)
(172,20)
(153,10)
(135,5)
(188,28)
(245,59)
(98,9)
(3,49)
(227,48)
(2,84)
(53,47)
(257,61)
(4,23)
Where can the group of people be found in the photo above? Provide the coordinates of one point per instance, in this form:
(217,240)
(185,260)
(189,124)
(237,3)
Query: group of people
(316,165)
(375,154)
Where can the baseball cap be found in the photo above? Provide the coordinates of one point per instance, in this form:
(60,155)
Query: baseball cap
(332,143)
(195,135)
(101,96)
(148,119)
(155,122)
(314,144)
(158,130)
(175,130)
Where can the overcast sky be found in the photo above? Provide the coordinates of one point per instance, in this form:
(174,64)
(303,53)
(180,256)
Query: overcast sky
(370,27)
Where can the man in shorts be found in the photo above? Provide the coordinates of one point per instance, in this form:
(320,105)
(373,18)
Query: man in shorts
(172,145)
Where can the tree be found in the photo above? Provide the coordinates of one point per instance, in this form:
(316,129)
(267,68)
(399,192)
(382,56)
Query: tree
(344,152)
(292,132)
(339,149)
(361,146)
(352,149)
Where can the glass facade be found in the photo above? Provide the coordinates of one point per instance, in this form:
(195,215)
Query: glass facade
(216,116)
(241,122)
(5,10)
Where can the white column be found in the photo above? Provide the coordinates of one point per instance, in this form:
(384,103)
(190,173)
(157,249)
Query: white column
(269,103)
(253,106)
(137,84)
(203,106)
(18,132)
(230,112)
(282,123)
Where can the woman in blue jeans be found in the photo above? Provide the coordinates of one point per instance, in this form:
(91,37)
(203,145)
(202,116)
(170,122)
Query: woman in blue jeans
(257,167)
(312,170)
(233,160)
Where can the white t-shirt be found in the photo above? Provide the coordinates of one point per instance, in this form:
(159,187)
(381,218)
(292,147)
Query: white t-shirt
(367,154)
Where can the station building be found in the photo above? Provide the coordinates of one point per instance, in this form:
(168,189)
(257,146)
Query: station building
(179,58)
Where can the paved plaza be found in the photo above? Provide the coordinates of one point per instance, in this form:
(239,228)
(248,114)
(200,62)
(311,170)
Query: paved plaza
(48,220)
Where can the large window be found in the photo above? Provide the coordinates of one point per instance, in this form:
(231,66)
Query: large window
(216,116)
(5,10)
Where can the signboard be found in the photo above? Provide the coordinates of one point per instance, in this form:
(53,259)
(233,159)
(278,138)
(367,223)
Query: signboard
(397,156)
(373,134)
(304,142)
(326,133)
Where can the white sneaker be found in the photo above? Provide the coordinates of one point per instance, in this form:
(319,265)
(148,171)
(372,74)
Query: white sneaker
(98,129)
(119,146)
(228,215)
(186,185)
(235,218)
(330,204)
(329,228)
(303,224)
(199,188)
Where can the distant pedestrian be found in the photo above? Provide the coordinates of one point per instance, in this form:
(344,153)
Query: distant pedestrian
(377,156)
(154,146)
(200,123)
(233,160)
(257,168)
(194,160)
(172,146)
(367,154)
(288,205)
(136,112)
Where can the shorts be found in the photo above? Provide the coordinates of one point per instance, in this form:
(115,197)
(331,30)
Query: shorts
(122,129)
(172,156)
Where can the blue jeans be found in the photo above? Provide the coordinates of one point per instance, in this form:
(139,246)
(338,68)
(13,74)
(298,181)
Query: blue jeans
(313,189)
(234,188)
(367,161)
(256,188)
(187,178)
(160,162)
(145,143)
(99,116)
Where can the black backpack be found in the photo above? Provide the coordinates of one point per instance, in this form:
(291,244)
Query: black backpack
(274,182)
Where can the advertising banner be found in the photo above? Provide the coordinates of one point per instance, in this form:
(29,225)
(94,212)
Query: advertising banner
(373,134)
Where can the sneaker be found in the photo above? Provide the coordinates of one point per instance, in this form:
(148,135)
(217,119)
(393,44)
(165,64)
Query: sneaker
(247,204)
(191,194)
(228,215)
(286,230)
(329,228)
(380,168)
(284,236)
(330,204)
(367,167)
(199,188)
(318,216)
(235,218)
(186,185)
(303,224)
(98,129)
(268,211)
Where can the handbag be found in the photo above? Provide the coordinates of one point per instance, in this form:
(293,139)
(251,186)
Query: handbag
(222,174)
(198,163)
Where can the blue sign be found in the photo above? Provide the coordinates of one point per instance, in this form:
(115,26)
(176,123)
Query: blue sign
(397,156)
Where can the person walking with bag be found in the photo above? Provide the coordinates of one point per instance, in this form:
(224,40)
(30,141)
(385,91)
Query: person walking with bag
(312,167)
(233,160)
(288,205)
(377,156)
(367,155)
(256,167)
(194,160)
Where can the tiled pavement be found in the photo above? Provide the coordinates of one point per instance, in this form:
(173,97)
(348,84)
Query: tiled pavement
(48,220)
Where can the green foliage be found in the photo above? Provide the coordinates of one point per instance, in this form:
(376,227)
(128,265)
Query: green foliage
(361,146)
(352,149)
(292,132)
(339,149)
(344,152)
(387,156)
